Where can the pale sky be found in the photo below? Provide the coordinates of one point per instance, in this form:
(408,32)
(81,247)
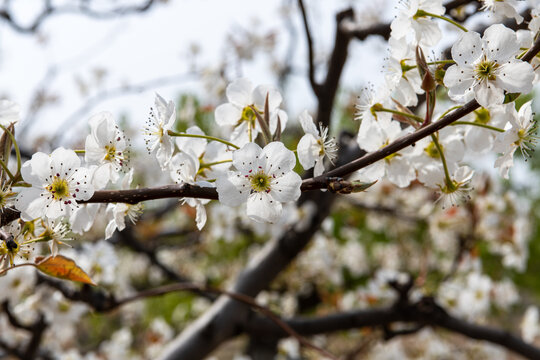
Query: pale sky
(138,48)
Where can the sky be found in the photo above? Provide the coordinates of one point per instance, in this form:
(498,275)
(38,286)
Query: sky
(70,49)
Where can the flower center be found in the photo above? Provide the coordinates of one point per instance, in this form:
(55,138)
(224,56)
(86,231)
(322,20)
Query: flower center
(260,182)
(110,153)
(485,70)
(482,116)
(432,151)
(59,188)
(248,115)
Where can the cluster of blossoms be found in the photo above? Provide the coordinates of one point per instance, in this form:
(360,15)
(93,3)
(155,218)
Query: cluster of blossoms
(487,69)
(255,173)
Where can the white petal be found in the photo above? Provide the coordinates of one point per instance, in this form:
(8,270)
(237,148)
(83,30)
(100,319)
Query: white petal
(287,187)
(467,49)
(306,121)
(283,118)
(478,139)
(247,158)
(427,32)
(24,200)
(459,81)
(319,166)
(259,97)
(233,189)
(164,152)
(261,207)
(37,169)
(195,146)
(516,77)
(308,151)
(239,92)
(488,94)
(279,159)
(64,161)
(201,216)
(102,127)
(501,43)
(400,172)
(227,114)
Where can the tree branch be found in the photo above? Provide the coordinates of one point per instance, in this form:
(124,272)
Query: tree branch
(81,8)
(425,312)
(314,85)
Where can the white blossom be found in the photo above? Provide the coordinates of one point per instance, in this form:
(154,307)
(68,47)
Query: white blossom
(522,135)
(105,147)
(486,67)
(57,182)
(264,178)
(315,145)
(160,121)
(238,112)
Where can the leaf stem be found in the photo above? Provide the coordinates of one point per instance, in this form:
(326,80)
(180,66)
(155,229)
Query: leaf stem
(494,128)
(207,137)
(411,116)
(422,13)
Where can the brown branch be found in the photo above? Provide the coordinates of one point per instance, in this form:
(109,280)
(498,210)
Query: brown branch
(425,312)
(36,330)
(401,143)
(82,8)
(134,196)
(314,85)
(236,296)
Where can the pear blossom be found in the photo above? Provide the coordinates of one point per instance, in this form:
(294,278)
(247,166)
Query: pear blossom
(506,8)
(106,147)
(160,121)
(396,167)
(55,232)
(315,145)
(13,244)
(194,146)
(185,168)
(530,325)
(453,190)
(264,178)
(402,76)
(238,111)
(412,17)
(57,183)
(522,135)
(480,139)
(116,213)
(486,67)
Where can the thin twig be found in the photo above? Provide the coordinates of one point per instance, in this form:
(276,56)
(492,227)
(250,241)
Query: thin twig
(314,85)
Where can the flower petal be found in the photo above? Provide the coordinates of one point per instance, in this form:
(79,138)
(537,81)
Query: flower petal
(227,114)
(233,189)
(467,49)
(239,92)
(247,158)
(501,43)
(287,187)
(279,159)
(261,207)
(308,151)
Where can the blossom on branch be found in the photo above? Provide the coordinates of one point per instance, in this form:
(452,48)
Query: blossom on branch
(57,182)
(239,113)
(106,147)
(264,178)
(160,120)
(315,145)
(486,67)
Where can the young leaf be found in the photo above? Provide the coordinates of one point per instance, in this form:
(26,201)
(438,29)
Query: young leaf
(62,267)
